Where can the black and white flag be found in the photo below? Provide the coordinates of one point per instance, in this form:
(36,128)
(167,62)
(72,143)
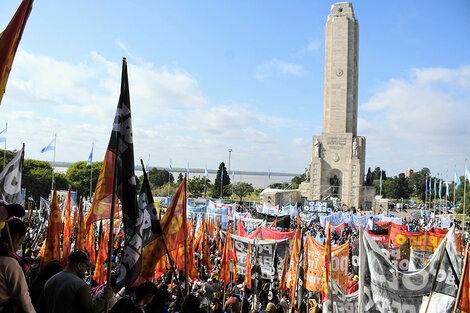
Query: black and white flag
(10,178)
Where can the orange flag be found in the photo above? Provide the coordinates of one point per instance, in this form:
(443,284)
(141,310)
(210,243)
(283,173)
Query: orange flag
(327,256)
(101,205)
(273,223)
(90,244)
(294,259)
(298,220)
(174,230)
(192,265)
(282,282)
(229,255)
(248,268)
(67,231)
(206,254)
(464,303)
(9,41)
(99,275)
(54,228)
(160,268)
(80,241)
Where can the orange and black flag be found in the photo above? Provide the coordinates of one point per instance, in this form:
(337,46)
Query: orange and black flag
(54,228)
(174,230)
(248,268)
(99,275)
(9,41)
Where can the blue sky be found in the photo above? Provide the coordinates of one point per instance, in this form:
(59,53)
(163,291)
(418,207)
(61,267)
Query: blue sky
(206,76)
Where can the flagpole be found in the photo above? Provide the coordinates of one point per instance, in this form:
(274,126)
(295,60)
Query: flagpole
(91,170)
(426,192)
(169,177)
(5,150)
(464,193)
(459,292)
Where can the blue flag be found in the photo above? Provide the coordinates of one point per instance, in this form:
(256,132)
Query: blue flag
(435,187)
(90,157)
(148,163)
(467,173)
(233,177)
(425,184)
(430,185)
(188,171)
(171,167)
(206,173)
(456,180)
(447,186)
(3,135)
(269,174)
(380,179)
(50,146)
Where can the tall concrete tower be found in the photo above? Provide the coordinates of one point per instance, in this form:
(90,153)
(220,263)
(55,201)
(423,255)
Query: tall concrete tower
(338,155)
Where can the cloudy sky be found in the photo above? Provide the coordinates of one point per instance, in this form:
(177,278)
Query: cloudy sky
(206,76)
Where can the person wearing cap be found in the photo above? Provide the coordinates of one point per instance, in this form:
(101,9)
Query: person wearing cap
(67,292)
(353,285)
(14,293)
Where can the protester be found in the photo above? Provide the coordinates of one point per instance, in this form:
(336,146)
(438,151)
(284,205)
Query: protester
(14,295)
(144,294)
(66,291)
(49,270)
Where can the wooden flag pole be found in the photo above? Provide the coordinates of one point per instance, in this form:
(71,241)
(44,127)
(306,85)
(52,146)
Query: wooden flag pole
(459,292)
(329,275)
(435,277)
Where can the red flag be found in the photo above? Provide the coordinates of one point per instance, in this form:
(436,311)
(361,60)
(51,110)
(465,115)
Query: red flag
(54,228)
(464,303)
(229,255)
(9,41)
(80,242)
(282,281)
(327,257)
(174,230)
(67,231)
(99,275)
(298,220)
(294,259)
(192,265)
(240,230)
(90,244)
(248,268)
(206,253)
(160,268)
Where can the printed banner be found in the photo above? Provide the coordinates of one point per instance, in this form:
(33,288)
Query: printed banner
(381,240)
(264,250)
(314,267)
(428,241)
(342,303)
(385,289)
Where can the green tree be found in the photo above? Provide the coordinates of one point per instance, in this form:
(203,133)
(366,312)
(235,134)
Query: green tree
(242,189)
(196,186)
(8,157)
(37,178)
(180,178)
(297,180)
(157,178)
(78,175)
(399,187)
(417,183)
(225,182)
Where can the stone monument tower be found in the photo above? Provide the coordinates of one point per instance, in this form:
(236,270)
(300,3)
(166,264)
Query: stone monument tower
(338,155)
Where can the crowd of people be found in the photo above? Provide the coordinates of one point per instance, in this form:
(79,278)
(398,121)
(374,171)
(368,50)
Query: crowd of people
(26,286)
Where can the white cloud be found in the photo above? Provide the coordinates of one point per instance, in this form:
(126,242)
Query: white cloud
(276,66)
(313,45)
(171,116)
(420,119)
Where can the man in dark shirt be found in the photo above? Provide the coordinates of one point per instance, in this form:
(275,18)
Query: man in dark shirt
(66,292)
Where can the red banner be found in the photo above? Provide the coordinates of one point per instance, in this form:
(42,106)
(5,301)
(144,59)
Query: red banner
(383,241)
(428,240)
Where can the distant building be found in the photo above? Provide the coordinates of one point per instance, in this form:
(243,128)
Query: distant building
(409,172)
